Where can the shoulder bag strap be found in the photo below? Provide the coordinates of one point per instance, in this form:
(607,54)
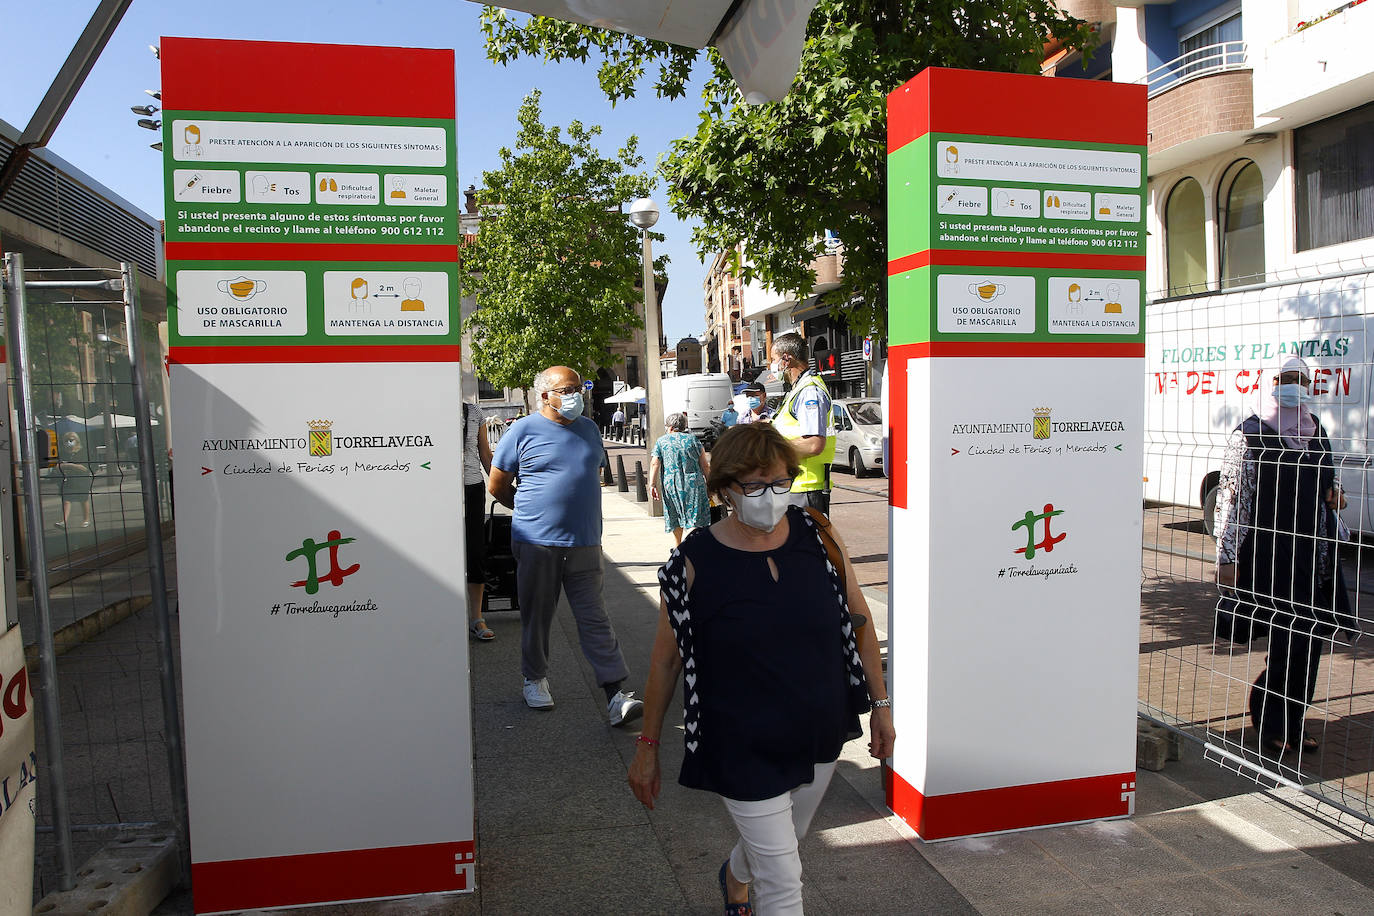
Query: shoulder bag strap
(832,548)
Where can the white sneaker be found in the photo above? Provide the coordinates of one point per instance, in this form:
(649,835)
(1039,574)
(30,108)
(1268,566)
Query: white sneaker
(537,694)
(623,708)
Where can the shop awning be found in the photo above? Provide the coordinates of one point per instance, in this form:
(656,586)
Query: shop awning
(634,395)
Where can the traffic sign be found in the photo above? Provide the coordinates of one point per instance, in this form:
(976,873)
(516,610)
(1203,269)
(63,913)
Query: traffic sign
(868,348)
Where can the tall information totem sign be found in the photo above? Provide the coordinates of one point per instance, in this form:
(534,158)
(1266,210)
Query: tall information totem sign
(312,271)
(1016,207)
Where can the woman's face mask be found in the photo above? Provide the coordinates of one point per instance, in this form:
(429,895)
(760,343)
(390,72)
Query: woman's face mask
(1291,395)
(762,510)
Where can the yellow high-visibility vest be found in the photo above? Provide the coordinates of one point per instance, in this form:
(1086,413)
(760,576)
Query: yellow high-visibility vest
(815,469)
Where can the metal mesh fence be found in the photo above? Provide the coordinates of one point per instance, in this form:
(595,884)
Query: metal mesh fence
(1292,701)
(113,773)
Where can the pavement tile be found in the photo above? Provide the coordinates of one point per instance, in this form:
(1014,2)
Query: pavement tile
(1296,885)
(1213,837)
(510,729)
(571,789)
(606,872)
(1107,852)
(1081,902)
(1186,895)
(866,867)
(1156,792)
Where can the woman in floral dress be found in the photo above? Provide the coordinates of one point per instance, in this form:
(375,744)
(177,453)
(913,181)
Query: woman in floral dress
(677,474)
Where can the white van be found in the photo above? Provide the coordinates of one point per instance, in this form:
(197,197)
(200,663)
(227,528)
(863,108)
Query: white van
(1205,356)
(703,395)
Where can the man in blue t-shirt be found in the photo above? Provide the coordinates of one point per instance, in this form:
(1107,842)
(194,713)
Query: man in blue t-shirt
(555,455)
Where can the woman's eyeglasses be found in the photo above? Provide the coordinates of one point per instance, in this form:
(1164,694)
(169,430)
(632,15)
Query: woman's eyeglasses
(781,486)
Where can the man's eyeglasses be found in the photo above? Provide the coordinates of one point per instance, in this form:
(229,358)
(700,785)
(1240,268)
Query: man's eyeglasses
(571,389)
(781,486)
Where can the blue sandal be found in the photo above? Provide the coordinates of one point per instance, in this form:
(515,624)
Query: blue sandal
(732,909)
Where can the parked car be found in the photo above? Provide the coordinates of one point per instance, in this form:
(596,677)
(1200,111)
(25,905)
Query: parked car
(859,435)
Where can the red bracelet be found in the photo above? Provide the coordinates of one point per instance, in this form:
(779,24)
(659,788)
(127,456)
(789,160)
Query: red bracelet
(652,742)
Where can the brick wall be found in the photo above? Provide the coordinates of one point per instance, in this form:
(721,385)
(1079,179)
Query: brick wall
(1220,103)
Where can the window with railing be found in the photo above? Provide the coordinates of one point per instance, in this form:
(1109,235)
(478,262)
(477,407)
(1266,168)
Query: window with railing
(1226,32)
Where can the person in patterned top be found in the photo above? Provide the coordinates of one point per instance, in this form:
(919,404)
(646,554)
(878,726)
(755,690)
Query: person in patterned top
(1278,534)
(755,620)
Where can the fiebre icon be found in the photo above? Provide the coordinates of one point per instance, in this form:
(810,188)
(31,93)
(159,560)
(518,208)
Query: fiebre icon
(321,438)
(242,288)
(1040,422)
(987,290)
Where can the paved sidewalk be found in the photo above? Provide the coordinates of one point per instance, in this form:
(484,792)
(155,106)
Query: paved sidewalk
(560,833)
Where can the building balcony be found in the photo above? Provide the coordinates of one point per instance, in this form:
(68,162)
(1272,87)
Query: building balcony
(1199,104)
(1317,71)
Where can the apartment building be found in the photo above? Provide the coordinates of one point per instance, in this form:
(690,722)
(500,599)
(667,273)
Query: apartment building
(728,342)
(1258,112)
(767,312)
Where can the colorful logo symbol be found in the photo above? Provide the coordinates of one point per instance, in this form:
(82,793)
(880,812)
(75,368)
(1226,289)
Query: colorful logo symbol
(309,550)
(321,438)
(1040,424)
(1047,540)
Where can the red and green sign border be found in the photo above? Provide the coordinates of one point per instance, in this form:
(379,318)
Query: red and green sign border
(266,80)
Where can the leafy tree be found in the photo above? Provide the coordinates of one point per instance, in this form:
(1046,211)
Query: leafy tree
(776,176)
(555,263)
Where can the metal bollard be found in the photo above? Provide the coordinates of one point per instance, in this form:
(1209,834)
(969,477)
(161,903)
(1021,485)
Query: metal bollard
(621,483)
(641,490)
(607,478)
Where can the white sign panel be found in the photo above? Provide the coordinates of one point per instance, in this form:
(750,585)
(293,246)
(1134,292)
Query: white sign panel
(18,777)
(310,143)
(230,303)
(1094,305)
(318,549)
(366,302)
(985,304)
(1033,566)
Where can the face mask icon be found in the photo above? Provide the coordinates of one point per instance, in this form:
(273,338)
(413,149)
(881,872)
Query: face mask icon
(987,290)
(242,288)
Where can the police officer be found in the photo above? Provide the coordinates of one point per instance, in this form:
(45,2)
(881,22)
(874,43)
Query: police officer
(806,420)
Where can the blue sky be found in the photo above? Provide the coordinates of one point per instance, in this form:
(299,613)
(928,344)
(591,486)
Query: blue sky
(99,134)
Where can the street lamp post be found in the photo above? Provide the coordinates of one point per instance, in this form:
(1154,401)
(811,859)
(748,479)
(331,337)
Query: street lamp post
(643,214)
